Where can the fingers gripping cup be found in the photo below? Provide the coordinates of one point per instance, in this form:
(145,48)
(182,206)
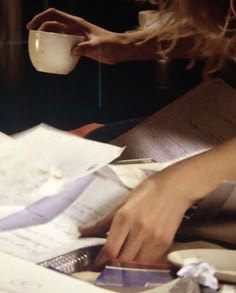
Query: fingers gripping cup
(51,52)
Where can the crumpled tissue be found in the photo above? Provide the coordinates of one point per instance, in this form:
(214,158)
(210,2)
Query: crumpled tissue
(200,271)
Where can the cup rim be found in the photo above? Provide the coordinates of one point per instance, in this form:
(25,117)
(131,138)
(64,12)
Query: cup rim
(59,34)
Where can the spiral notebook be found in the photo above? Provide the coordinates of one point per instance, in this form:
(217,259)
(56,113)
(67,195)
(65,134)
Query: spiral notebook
(74,261)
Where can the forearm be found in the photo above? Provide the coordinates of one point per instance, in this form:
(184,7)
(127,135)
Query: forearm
(208,170)
(146,44)
(139,45)
(194,178)
(219,163)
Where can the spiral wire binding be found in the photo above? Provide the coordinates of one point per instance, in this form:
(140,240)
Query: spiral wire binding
(75,261)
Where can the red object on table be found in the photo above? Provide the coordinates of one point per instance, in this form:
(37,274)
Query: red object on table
(84,130)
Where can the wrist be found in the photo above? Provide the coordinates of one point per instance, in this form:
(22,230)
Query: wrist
(168,190)
(182,184)
(199,175)
(138,45)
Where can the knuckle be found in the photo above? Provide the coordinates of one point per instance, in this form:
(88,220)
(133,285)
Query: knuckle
(122,216)
(80,19)
(143,225)
(52,10)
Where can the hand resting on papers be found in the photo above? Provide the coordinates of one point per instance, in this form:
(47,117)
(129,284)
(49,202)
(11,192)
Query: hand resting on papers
(144,225)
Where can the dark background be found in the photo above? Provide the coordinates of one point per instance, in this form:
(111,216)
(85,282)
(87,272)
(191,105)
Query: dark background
(93,92)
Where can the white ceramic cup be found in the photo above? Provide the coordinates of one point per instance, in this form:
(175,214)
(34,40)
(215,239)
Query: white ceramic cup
(51,52)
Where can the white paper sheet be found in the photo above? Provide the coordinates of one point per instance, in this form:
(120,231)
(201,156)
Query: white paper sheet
(133,174)
(34,167)
(4,138)
(18,276)
(44,210)
(43,160)
(60,235)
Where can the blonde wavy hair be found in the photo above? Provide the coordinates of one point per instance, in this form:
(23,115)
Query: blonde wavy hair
(208,27)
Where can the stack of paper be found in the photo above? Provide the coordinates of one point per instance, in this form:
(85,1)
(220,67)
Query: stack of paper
(44,175)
